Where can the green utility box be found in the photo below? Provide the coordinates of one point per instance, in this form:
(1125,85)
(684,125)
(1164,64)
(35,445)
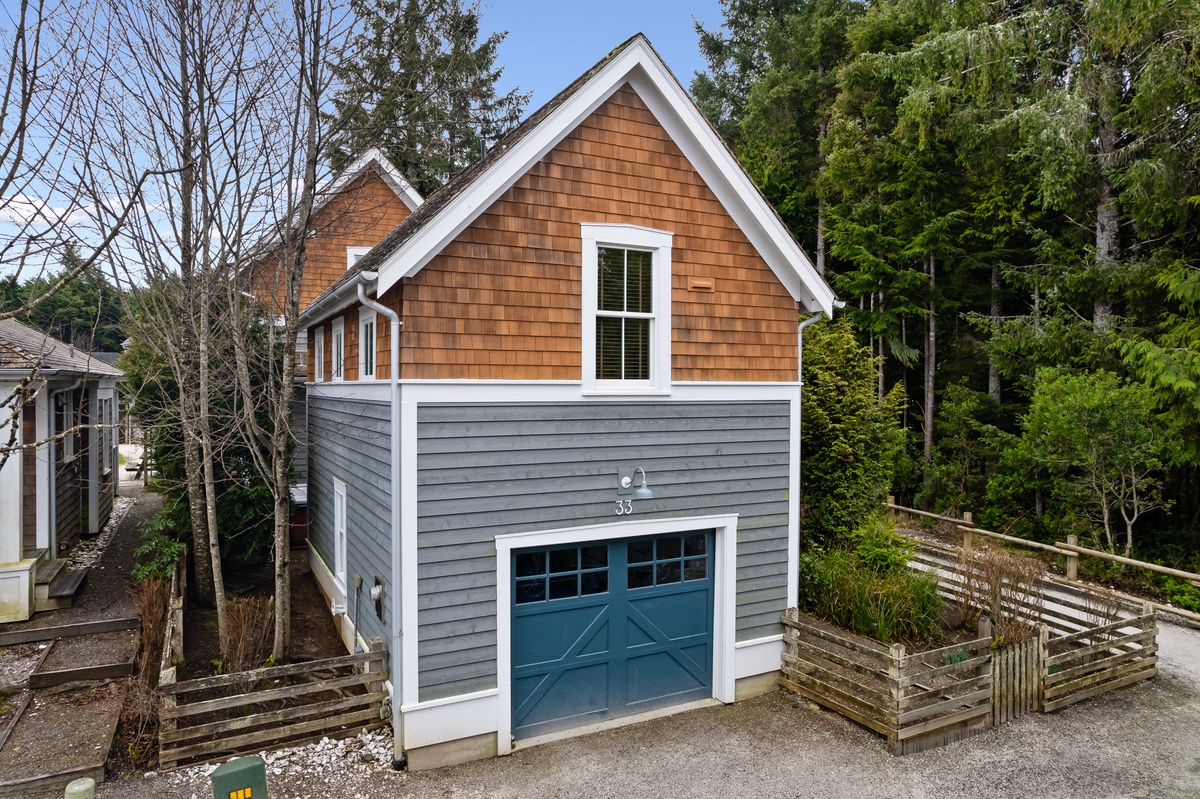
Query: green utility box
(243,778)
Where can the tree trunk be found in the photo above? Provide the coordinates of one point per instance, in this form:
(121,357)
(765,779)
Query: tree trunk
(201,556)
(930,361)
(996,310)
(1108,224)
(821,131)
(210,484)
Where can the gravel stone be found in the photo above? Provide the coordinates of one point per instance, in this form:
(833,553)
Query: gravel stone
(1141,742)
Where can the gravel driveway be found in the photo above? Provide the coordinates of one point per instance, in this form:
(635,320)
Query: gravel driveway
(1142,741)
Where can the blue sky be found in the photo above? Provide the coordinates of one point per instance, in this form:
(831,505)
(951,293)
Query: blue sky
(552,42)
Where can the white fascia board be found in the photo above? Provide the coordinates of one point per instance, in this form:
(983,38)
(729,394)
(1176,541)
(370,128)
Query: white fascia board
(390,175)
(639,66)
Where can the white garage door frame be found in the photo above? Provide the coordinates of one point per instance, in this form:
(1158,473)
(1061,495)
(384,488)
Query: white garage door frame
(724,595)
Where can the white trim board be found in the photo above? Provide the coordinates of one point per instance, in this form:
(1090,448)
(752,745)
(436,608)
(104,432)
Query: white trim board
(638,65)
(502,391)
(724,596)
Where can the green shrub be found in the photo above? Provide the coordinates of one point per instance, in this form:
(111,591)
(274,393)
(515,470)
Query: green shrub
(849,438)
(1182,593)
(156,556)
(870,590)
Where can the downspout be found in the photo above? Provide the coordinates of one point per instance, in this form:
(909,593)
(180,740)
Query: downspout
(52,511)
(365,278)
(837,304)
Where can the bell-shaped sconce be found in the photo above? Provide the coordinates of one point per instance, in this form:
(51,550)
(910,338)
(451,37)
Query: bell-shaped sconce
(643,491)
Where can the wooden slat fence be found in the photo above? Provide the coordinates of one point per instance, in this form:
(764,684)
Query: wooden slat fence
(1016,670)
(216,717)
(918,701)
(1099,659)
(1100,641)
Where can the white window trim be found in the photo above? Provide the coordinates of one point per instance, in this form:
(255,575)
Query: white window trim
(339,534)
(337,355)
(638,238)
(367,316)
(724,596)
(319,355)
(354,253)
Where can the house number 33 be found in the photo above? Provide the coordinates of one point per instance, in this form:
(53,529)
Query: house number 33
(624,506)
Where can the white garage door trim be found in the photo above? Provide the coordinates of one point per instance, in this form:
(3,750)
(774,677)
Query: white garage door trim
(724,589)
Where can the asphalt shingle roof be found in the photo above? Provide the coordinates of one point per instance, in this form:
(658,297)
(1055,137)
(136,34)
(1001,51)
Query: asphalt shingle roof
(23,347)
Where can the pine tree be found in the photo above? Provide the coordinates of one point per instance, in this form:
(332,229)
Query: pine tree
(419,84)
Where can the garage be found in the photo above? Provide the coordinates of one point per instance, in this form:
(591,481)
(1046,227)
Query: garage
(607,629)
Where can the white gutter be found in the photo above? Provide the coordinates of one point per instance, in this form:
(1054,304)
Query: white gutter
(365,278)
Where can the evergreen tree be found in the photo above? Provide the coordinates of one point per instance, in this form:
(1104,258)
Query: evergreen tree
(86,311)
(418,83)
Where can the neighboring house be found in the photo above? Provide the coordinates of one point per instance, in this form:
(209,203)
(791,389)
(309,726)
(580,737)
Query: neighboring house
(577,498)
(365,202)
(59,479)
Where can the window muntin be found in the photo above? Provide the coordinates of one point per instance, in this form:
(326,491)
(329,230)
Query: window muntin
(366,344)
(626,293)
(319,356)
(337,366)
(560,573)
(624,313)
(667,560)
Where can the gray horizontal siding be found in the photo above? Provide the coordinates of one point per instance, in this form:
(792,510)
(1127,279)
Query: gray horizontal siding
(485,470)
(352,441)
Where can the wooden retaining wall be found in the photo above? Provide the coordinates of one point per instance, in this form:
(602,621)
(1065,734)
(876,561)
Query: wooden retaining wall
(215,717)
(918,701)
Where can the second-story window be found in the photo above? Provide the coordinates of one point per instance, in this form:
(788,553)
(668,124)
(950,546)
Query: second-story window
(366,344)
(337,355)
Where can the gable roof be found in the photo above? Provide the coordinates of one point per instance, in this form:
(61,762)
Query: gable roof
(446,212)
(24,348)
(372,160)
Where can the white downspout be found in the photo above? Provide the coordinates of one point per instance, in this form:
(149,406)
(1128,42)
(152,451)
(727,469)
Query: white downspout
(365,278)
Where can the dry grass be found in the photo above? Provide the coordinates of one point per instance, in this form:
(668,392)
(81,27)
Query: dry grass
(139,714)
(251,623)
(1005,586)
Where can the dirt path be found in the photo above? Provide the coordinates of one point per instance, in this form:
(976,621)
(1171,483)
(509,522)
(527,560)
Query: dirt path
(1141,742)
(105,592)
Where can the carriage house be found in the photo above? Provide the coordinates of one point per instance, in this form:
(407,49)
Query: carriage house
(553,423)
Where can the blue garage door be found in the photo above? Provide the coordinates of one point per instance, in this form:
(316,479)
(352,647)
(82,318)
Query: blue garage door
(606,629)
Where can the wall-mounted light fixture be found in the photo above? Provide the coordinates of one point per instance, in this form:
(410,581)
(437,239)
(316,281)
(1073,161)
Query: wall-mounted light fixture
(643,491)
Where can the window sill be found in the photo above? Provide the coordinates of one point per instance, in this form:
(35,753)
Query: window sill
(630,391)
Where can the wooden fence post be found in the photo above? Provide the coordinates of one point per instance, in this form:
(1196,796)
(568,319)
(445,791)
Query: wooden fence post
(1042,654)
(895,657)
(375,667)
(1072,560)
(891,514)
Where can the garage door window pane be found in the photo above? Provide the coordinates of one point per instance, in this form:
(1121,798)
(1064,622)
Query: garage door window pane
(668,572)
(695,545)
(668,548)
(594,583)
(563,586)
(641,576)
(695,569)
(531,563)
(641,551)
(531,591)
(594,557)
(564,560)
